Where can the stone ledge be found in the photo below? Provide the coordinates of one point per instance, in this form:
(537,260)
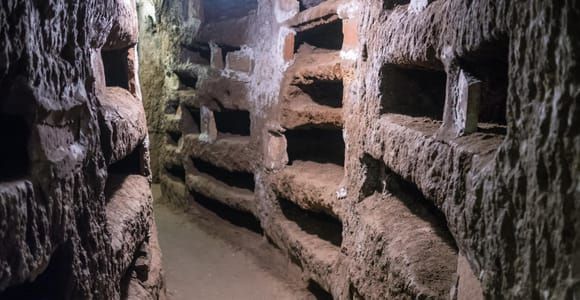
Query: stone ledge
(310,185)
(129,216)
(403,250)
(123,122)
(238,198)
(233,153)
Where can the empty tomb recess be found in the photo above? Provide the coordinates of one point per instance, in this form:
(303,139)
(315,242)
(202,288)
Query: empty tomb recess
(131,164)
(306,4)
(381,179)
(116,65)
(325,36)
(196,53)
(227,49)
(322,225)
(14,160)
(235,122)
(173,137)
(191,120)
(176,172)
(243,180)
(489,64)
(413,91)
(234,216)
(390,4)
(52,284)
(315,144)
(323,92)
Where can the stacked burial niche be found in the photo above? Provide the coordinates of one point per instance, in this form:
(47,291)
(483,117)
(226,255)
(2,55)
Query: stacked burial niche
(305,189)
(210,152)
(383,169)
(482,82)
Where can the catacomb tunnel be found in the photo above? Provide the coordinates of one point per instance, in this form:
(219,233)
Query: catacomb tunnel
(289,149)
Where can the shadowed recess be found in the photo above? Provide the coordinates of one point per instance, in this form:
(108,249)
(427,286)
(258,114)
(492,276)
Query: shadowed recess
(324,92)
(14,161)
(233,121)
(243,180)
(414,92)
(326,36)
(234,216)
(320,224)
(314,144)
(116,65)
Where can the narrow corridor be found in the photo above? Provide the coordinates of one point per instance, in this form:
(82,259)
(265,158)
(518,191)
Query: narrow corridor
(200,264)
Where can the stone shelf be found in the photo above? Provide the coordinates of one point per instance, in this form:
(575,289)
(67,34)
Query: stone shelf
(124,123)
(318,258)
(302,113)
(171,155)
(323,13)
(413,246)
(418,137)
(312,89)
(233,152)
(310,185)
(237,198)
(129,215)
(220,92)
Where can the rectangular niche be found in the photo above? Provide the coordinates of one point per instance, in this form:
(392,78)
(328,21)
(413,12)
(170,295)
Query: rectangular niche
(325,36)
(322,225)
(236,217)
(489,65)
(413,91)
(323,92)
(14,160)
(173,137)
(198,53)
(321,145)
(116,65)
(306,4)
(382,179)
(130,165)
(53,283)
(242,180)
(390,4)
(176,172)
(236,122)
(191,120)
(225,49)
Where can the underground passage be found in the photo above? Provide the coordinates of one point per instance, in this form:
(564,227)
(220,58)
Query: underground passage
(289,149)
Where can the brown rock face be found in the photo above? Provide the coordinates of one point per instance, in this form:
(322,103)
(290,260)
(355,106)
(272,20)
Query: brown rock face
(398,149)
(418,149)
(75,202)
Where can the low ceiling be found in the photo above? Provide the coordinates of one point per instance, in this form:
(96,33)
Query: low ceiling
(217,10)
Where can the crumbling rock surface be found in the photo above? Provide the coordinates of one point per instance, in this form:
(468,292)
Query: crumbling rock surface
(399,149)
(56,220)
(123,122)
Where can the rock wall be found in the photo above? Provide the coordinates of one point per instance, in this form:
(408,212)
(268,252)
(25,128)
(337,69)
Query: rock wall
(75,200)
(392,149)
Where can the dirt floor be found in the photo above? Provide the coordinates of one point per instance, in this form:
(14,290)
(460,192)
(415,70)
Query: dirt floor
(204,257)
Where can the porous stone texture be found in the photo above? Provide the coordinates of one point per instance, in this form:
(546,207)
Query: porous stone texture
(75,201)
(398,149)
